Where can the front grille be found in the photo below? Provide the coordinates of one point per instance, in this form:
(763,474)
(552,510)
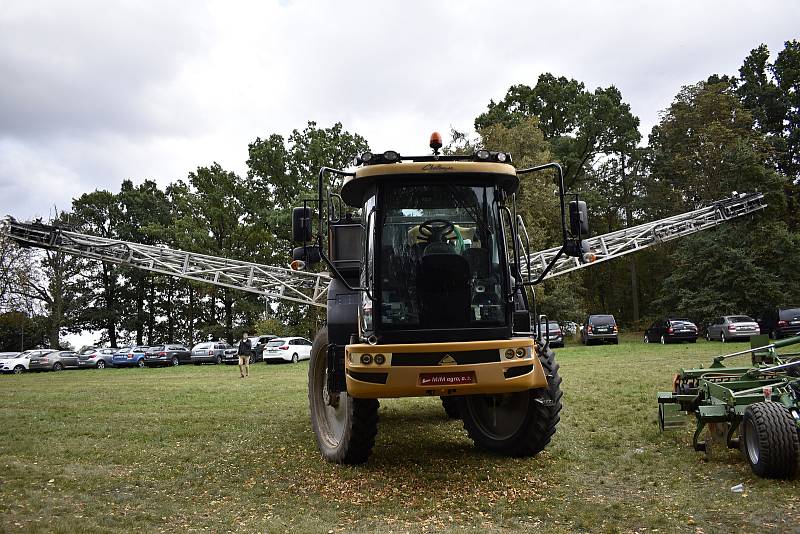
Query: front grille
(373,378)
(433,358)
(512,372)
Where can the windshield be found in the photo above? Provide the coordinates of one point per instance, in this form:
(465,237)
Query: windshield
(438,262)
(741,319)
(553,326)
(88,351)
(276,343)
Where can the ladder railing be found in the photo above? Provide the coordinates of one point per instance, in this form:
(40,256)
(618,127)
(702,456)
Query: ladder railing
(272,282)
(615,244)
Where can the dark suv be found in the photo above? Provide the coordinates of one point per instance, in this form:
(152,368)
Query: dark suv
(600,328)
(780,322)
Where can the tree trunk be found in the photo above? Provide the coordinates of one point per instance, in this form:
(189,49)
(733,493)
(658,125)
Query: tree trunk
(170,320)
(626,195)
(151,316)
(191,315)
(111,303)
(139,310)
(228,301)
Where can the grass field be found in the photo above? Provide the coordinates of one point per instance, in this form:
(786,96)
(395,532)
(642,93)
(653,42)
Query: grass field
(196,448)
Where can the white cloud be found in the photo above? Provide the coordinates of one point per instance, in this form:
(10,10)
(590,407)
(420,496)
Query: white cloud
(95,92)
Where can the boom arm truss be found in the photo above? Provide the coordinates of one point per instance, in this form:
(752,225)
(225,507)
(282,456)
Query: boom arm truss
(615,244)
(311,288)
(272,282)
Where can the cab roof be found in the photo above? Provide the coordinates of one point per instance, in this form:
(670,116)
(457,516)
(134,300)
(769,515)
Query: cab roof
(356,186)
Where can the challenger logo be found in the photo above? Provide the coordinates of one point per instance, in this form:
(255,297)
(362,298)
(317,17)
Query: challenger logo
(448,360)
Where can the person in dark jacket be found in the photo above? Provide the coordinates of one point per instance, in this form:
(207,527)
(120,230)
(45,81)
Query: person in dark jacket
(245,350)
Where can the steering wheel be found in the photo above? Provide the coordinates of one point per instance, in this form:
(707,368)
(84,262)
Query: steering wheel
(435,230)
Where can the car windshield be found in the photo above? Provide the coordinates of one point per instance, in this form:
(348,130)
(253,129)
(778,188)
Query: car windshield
(123,349)
(436,240)
(139,349)
(790,314)
(203,346)
(681,322)
(276,343)
(602,320)
(156,348)
(741,319)
(552,326)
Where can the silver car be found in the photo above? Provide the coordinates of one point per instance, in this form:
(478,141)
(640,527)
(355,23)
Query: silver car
(96,358)
(212,352)
(54,360)
(732,327)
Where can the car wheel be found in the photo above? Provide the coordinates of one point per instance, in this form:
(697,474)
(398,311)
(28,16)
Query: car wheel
(101,364)
(646,339)
(722,336)
(708,336)
(663,340)
(140,364)
(218,360)
(174,361)
(251,359)
(58,366)
(294,358)
(18,370)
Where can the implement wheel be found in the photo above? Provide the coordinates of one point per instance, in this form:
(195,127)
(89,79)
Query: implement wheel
(450,405)
(516,424)
(344,427)
(770,440)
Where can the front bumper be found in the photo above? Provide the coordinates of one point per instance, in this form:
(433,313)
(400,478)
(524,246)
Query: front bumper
(429,369)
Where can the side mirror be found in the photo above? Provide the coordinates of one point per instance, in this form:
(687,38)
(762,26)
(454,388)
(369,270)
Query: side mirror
(310,255)
(301,225)
(578,218)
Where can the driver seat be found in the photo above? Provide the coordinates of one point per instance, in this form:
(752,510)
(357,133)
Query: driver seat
(444,292)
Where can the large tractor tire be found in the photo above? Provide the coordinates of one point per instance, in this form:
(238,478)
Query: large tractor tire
(516,424)
(451,407)
(770,440)
(345,428)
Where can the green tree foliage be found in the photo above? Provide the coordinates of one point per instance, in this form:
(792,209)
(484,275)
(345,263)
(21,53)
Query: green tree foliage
(20,332)
(706,146)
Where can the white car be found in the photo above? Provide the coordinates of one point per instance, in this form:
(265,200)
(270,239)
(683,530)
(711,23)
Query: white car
(287,349)
(17,364)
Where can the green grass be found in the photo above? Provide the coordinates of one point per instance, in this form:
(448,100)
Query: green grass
(196,448)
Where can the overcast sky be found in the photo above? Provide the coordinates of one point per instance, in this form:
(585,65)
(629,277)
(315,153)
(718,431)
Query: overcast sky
(93,92)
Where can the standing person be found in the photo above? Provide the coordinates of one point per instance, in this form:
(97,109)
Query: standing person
(245,349)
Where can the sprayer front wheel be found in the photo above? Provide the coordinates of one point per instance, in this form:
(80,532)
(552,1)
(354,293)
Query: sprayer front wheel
(344,427)
(516,424)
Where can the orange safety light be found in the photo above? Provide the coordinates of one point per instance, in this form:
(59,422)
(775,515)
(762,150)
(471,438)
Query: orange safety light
(298,265)
(436,142)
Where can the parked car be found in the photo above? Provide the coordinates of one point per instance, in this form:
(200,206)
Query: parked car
(130,356)
(230,354)
(288,349)
(780,322)
(553,333)
(732,327)
(170,354)
(600,328)
(259,343)
(53,360)
(96,357)
(671,330)
(16,364)
(211,352)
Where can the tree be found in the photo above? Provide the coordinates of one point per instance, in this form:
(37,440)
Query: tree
(99,213)
(705,147)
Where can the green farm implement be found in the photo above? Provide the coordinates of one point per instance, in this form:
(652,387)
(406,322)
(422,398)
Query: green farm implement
(754,408)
